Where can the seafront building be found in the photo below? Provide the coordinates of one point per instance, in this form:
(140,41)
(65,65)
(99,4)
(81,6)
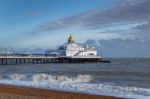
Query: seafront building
(72,49)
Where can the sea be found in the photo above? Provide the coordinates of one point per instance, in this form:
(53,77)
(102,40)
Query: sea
(123,77)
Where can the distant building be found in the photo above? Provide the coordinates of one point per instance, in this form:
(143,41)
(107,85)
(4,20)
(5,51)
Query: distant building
(73,49)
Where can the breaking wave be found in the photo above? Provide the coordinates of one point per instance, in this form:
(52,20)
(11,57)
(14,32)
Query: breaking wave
(18,77)
(48,78)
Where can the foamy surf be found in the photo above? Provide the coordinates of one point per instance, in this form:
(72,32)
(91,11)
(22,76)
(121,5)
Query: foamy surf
(62,78)
(48,78)
(80,83)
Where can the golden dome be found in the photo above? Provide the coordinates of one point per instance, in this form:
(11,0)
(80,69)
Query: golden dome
(70,39)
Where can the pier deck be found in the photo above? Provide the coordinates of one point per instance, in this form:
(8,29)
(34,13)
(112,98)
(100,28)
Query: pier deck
(14,60)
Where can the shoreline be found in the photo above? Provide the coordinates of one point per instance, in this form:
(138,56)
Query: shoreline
(21,92)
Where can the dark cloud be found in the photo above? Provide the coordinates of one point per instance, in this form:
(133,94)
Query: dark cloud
(125,12)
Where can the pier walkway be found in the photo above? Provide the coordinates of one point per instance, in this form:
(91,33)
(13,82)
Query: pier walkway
(14,60)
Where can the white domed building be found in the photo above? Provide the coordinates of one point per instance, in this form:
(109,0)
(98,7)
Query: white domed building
(72,49)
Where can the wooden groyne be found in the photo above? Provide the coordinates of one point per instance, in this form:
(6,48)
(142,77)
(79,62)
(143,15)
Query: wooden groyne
(14,60)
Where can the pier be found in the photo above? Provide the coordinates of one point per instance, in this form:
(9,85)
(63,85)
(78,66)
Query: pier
(17,60)
(69,52)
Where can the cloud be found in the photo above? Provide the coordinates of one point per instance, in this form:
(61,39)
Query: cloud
(125,12)
(143,30)
(121,47)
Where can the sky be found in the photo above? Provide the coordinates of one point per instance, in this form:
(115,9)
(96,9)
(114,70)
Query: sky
(118,28)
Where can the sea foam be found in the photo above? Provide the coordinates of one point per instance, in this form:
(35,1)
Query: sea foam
(49,78)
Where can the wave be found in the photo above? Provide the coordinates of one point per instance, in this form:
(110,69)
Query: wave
(18,77)
(48,78)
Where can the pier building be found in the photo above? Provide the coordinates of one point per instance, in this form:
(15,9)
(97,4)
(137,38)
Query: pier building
(73,49)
